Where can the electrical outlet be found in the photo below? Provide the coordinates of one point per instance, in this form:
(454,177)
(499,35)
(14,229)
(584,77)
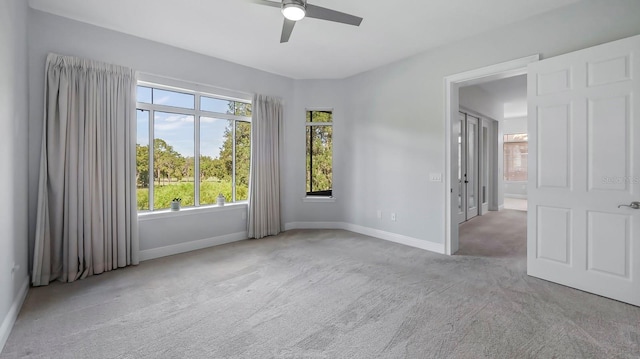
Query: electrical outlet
(435,177)
(393,217)
(379,214)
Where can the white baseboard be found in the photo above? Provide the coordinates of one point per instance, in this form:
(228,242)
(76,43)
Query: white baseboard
(371,232)
(12,315)
(397,238)
(516,196)
(501,207)
(191,246)
(313,225)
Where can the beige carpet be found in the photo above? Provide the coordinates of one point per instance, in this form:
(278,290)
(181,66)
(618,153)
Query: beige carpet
(325,294)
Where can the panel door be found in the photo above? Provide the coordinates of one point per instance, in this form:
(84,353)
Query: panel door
(460,128)
(584,151)
(471,177)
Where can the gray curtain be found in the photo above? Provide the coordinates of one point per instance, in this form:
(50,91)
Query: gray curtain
(86,216)
(264,180)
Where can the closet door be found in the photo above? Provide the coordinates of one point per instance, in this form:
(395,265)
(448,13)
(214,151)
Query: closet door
(471,177)
(484,167)
(460,128)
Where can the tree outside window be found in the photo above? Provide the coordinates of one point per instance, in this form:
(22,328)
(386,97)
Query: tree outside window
(319,153)
(195,169)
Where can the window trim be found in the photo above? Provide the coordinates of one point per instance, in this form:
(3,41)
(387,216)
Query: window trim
(505,144)
(198,90)
(319,198)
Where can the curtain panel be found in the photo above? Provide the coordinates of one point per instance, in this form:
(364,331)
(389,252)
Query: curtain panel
(86,216)
(264,179)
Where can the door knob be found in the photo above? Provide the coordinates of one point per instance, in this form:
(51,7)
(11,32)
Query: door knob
(633,205)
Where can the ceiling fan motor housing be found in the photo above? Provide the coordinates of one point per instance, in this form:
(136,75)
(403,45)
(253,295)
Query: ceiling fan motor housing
(294,10)
(302,3)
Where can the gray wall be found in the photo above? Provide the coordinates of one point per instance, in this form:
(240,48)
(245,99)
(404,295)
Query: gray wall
(50,33)
(13,156)
(389,131)
(313,94)
(514,125)
(396,113)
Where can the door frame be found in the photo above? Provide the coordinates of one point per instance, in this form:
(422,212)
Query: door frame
(452,105)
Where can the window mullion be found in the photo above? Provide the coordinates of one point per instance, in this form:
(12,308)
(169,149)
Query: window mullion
(233,164)
(196,152)
(151,154)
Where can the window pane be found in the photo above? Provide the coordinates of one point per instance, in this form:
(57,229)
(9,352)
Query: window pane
(243,159)
(144,95)
(319,160)
(216,159)
(173,159)
(319,116)
(216,105)
(172,98)
(515,161)
(142,159)
(243,109)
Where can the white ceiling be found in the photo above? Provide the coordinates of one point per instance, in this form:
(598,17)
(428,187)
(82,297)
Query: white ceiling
(248,34)
(512,92)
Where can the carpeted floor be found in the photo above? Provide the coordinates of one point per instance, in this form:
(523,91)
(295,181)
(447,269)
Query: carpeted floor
(328,294)
(518,204)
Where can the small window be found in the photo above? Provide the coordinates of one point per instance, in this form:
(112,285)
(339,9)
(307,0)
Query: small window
(319,153)
(516,154)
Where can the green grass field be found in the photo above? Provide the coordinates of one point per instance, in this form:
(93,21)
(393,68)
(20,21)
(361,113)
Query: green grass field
(164,194)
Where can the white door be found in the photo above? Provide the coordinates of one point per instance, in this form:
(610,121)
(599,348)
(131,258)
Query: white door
(584,161)
(468,170)
(471,176)
(460,128)
(485,171)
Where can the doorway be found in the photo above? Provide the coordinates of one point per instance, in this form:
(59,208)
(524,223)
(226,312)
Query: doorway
(454,193)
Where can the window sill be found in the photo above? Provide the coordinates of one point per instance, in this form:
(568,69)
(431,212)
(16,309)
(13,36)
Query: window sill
(167,213)
(318,199)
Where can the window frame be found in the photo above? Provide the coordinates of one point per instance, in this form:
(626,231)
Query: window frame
(198,91)
(311,197)
(513,140)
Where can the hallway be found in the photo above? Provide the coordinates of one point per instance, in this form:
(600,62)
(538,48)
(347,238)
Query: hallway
(496,234)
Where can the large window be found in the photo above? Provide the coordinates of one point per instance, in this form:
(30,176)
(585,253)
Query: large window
(319,153)
(201,147)
(516,153)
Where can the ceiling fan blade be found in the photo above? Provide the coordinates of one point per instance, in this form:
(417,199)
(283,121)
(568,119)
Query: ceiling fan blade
(287,28)
(322,13)
(267,3)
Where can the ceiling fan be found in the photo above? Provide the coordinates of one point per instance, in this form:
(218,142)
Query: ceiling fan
(296,10)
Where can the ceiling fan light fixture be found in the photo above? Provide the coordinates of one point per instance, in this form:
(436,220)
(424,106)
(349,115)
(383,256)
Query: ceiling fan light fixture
(293,12)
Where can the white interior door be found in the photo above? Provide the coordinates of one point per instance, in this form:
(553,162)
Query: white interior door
(471,177)
(468,168)
(485,172)
(460,128)
(584,161)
